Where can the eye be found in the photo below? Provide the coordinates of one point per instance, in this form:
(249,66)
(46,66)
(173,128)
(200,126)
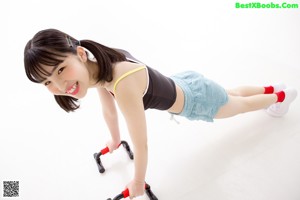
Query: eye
(47,83)
(60,70)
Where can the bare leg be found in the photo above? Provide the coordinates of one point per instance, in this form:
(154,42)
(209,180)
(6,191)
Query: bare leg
(240,104)
(245,91)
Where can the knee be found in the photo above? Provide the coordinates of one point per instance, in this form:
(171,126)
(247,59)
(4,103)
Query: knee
(239,91)
(246,105)
(235,92)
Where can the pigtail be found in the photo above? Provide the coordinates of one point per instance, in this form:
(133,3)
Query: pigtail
(49,47)
(67,103)
(105,57)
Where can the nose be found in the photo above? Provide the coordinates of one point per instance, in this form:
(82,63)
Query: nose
(58,86)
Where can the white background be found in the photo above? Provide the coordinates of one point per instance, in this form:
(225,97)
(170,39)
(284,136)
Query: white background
(250,156)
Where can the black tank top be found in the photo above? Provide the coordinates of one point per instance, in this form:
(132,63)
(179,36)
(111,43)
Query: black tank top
(161,93)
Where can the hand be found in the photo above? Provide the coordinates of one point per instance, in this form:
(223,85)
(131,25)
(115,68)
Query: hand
(136,188)
(112,145)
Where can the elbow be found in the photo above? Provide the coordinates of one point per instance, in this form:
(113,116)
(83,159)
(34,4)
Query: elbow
(143,146)
(109,115)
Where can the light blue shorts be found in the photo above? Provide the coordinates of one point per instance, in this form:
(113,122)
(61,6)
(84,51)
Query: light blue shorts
(202,97)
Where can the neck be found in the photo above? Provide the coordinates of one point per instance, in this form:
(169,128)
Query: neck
(93,69)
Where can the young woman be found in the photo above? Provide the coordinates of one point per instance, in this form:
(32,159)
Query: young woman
(62,64)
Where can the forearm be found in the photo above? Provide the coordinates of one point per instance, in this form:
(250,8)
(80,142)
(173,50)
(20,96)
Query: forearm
(140,163)
(112,125)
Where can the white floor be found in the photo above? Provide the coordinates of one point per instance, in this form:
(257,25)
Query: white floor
(251,156)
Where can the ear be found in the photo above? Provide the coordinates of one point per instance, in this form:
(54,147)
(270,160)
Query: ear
(81,53)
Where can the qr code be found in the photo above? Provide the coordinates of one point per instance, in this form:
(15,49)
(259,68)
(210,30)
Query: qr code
(10,188)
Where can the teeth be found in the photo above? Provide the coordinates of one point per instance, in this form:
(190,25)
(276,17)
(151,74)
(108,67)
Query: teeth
(72,89)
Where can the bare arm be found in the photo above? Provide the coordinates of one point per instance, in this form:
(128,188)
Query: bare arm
(129,96)
(110,116)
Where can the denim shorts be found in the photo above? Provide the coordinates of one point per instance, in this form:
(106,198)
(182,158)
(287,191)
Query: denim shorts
(202,97)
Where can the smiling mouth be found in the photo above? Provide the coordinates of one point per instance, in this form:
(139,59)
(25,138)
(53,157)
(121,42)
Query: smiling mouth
(74,89)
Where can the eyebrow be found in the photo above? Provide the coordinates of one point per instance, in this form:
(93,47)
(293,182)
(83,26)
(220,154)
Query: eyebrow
(50,74)
(54,68)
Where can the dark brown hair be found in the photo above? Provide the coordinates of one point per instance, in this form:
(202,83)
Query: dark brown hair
(50,47)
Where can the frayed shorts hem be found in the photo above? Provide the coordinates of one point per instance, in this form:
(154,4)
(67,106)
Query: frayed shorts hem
(202,97)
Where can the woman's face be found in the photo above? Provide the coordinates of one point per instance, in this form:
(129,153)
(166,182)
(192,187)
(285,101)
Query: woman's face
(69,78)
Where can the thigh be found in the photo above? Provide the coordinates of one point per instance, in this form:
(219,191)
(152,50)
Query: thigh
(234,106)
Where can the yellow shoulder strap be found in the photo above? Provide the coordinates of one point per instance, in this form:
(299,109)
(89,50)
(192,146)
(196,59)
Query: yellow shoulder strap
(125,75)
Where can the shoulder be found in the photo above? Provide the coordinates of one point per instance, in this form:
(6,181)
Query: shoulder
(129,76)
(118,69)
(123,67)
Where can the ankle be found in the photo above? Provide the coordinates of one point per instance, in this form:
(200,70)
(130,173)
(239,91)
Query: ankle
(269,90)
(280,96)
